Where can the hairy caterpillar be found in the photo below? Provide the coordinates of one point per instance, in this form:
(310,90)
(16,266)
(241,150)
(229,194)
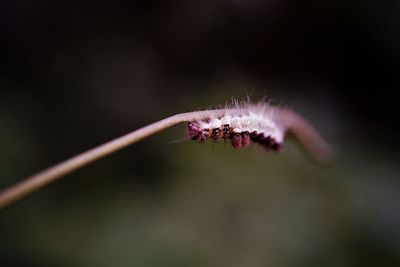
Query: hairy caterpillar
(242,123)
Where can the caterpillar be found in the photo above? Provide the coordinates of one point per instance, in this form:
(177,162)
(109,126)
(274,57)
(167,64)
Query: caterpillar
(242,123)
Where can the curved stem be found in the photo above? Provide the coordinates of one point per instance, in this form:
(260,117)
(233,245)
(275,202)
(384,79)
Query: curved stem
(316,147)
(310,138)
(41,179)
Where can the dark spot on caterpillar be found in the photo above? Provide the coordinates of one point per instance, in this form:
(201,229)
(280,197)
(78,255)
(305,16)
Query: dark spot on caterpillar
(236,141)
(265,141)
(216,133)
(193,131)
(245,139)
(255,137)
(276,147)
(196,133)
(226,130)
(204,135)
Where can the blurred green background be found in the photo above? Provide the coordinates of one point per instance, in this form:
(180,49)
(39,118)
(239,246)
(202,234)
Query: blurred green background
(75,74)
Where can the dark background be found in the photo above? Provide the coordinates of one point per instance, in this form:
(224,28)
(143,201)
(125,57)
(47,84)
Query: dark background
(75,74)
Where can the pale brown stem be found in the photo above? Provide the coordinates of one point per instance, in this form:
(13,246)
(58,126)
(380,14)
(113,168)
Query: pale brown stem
(316,147)
(41,179)
(296,124)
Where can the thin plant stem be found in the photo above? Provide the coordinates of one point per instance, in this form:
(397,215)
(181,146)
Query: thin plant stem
(318,149)
(299,126)
(41,179)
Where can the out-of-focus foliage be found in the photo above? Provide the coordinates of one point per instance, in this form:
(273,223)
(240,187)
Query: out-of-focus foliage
(76,74)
